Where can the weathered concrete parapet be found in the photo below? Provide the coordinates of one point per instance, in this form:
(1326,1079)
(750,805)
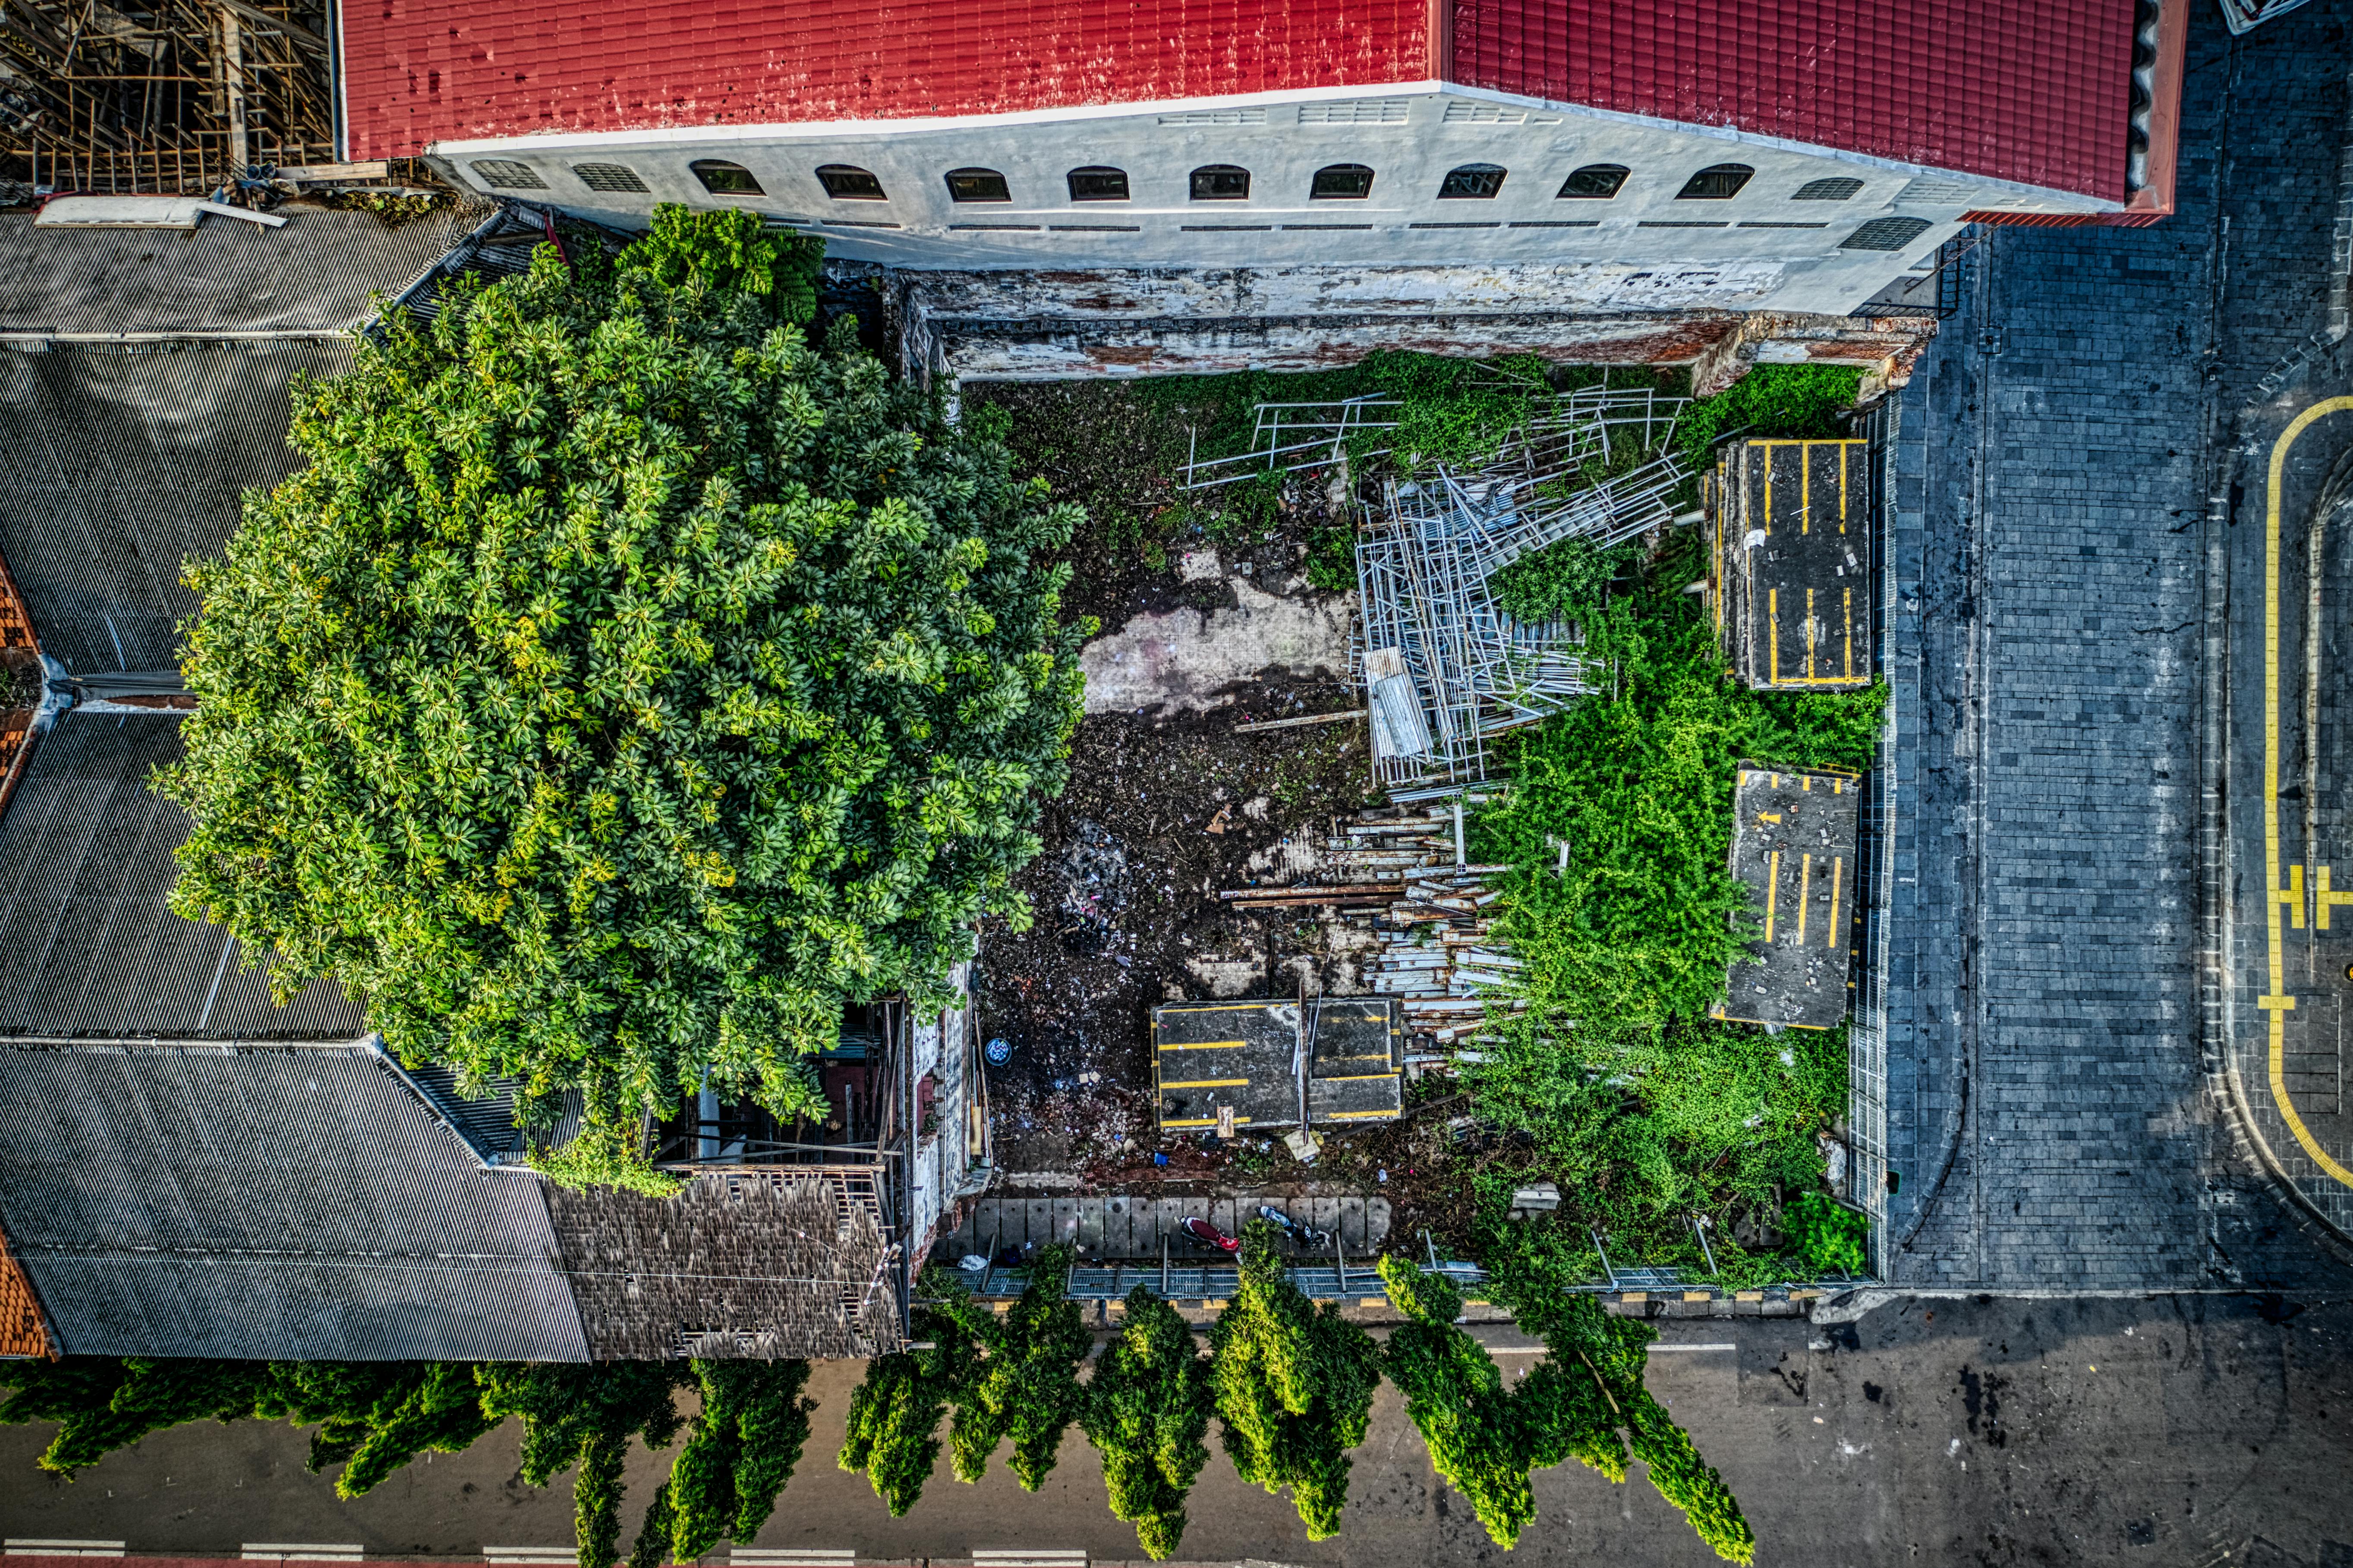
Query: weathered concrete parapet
(1884,347)
(1053,325)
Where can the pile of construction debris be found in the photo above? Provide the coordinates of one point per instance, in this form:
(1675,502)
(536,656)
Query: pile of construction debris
(1406,862)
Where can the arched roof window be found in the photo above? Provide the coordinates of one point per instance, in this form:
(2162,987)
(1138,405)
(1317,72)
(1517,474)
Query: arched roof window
(978,186)
(1716,183)
(1471,182)
(1220,183)
(1097,183)
(721,178)
(1595,181)
(1341,182)
(847,183)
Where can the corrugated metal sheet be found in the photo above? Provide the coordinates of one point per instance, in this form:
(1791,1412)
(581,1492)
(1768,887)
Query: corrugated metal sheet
(418,71)
(316,273)
(88,946)
(2034,93)
(292,1202)
(119,465)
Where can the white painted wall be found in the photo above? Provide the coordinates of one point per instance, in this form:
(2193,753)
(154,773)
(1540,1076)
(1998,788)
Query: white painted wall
(1409,136)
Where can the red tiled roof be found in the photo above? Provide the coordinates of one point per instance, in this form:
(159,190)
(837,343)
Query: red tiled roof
(2032,90)
(424,71)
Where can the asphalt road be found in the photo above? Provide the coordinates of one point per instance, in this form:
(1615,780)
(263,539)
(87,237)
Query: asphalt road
(2166,1430)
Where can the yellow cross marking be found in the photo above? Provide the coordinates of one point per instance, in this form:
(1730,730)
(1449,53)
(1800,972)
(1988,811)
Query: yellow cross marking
(2324,896)
(2292,896)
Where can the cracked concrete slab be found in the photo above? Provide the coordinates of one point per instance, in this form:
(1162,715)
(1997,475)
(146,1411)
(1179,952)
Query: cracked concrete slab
(1187,660)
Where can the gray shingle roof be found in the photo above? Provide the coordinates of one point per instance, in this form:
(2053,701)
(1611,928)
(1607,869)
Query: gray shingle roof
(266,1201)
(316,273)
(121,466)
(88,946)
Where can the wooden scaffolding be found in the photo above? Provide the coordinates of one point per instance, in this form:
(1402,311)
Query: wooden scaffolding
(163,96)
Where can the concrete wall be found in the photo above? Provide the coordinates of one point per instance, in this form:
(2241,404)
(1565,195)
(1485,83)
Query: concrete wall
(1637,250)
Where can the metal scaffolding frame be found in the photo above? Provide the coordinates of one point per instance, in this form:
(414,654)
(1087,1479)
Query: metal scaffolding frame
(1287,438)
(1444,667)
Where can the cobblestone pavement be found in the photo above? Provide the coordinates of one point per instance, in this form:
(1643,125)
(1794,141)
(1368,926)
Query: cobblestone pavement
(2052,1002)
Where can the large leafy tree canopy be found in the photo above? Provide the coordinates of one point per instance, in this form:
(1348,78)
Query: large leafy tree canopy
(625,684)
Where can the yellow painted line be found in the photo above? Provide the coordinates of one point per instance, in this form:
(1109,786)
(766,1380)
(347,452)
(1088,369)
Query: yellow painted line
(1773,623)
(1768,490)
(1805,490)
(1204,1121)
(1809,634)
(2277,1003)
(1361,1078)
(1204,1044)
(2328,896)
(1352,1116)
(1849,620)
(1842,451)
(1210,1083)
(1772,888)
(1837,875)
(1805,876)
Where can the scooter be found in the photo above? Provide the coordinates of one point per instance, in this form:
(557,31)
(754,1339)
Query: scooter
(1299,1230)
(1208,1235)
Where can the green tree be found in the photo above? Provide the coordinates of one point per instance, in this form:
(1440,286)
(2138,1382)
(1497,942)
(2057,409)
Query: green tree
(739,1453)
(101,1403)
(372,1417)
(1592,1391)
(893,1425)
(584,1416)
(1147,1412)
(1294,1386)
(1480,1436)
(624,685)
(1026,1385)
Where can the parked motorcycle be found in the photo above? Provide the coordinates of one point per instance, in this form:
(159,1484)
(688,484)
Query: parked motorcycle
(1299,1230)
(1208,1235)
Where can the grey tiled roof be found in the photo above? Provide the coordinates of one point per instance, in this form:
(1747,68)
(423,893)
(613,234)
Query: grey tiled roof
(88,946)
(317,273)
(123,465)
(266,1201)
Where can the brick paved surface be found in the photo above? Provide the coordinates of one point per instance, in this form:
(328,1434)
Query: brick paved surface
(2049,1122)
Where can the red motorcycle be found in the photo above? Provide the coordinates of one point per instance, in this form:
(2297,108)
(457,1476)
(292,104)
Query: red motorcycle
(1208,1235)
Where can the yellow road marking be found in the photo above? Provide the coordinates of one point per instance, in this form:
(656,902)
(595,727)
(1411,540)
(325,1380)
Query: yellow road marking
(1204,1121)
(1805,490)
(1353,1116)
(1809,634)
(1209,1083)
(1850,593)
(1842,447)
(1838,874)
(1805,875)
(1204,1044)
(1773,621)
(2326,895)
(2277,1003)
(1772,888)
(1361,1078)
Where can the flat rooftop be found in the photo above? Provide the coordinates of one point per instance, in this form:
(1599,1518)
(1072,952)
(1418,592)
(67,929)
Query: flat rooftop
(1242,1055)
(1793,847)
(1789,563)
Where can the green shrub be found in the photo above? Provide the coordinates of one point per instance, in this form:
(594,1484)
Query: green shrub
(1829,1236)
